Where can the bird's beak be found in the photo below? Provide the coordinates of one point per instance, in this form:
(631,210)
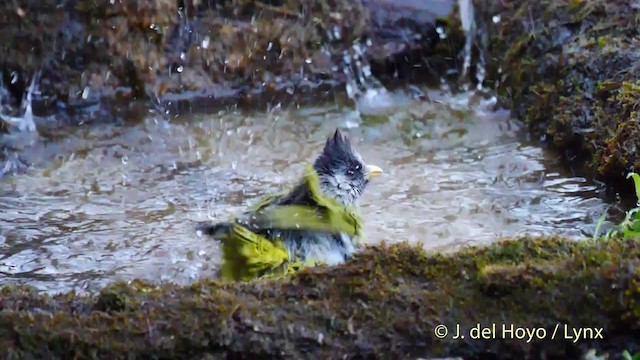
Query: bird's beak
(372,170)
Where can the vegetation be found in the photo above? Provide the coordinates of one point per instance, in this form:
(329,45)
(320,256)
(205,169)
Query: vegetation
(384,304)
(565,67)
(630,226)
(627,356)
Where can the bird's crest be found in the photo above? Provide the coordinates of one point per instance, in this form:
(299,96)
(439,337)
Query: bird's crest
(337,142)
(337,150)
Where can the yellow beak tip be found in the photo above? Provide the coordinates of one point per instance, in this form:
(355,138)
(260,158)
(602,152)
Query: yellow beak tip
(373,170)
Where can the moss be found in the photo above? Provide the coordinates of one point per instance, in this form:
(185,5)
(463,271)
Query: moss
(501,279)
(385,303)
(231,51)
(632,298)
(567,69)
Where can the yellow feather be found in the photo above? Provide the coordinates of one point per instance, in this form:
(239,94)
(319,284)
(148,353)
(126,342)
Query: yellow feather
(248,255)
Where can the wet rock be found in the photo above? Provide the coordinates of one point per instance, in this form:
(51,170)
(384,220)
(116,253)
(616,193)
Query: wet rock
(569,69)
(89,51)
(405,44)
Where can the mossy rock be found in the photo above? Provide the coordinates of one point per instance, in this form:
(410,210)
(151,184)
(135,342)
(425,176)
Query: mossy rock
(385,303)
(568,69)
(144,50)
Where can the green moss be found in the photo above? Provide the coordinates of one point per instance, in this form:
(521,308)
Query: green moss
(629,96)
(567,70)
(632,299)
(385,303)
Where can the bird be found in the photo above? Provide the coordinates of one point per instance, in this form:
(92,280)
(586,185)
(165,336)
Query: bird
(316,222)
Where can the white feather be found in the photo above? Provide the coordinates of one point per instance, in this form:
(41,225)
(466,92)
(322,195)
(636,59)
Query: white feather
(321,247)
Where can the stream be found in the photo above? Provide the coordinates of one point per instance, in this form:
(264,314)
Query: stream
(117,202)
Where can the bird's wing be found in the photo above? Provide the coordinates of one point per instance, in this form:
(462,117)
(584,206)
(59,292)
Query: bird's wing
(249,251)
(311,212)
(267,200)
(303,217)
(247,255)
(340,214)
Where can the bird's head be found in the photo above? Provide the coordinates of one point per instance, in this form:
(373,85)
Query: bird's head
(341,170)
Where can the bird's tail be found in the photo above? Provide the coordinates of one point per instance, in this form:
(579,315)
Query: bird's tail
(217,230)
(245,255)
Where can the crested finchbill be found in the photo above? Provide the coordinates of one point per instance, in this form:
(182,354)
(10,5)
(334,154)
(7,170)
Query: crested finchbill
(316,222)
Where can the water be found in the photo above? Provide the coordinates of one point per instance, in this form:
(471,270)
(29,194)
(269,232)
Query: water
(471,32)
(24,122)
(103,203)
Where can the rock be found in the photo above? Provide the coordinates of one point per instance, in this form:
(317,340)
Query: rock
(386,303)
(569,70)
(93,50)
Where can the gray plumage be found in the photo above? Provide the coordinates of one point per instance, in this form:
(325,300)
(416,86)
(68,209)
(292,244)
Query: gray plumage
(343,176)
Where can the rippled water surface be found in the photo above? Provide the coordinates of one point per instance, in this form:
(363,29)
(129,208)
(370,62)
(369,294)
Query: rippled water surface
(120,202)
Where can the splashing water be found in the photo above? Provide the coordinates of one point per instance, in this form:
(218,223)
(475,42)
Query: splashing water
(105,203)
(471,31)
(367,92)
(25,122)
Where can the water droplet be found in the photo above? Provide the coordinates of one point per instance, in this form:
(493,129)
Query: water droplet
(205,42)
(358,48)
(350,124)
(350,90)
(180,69)
(269,46)
(367,70)
(346,58)
(183,56)
(85,93)
(125,160)
(308,61)
(441,33)
(496,19)
(336,32)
